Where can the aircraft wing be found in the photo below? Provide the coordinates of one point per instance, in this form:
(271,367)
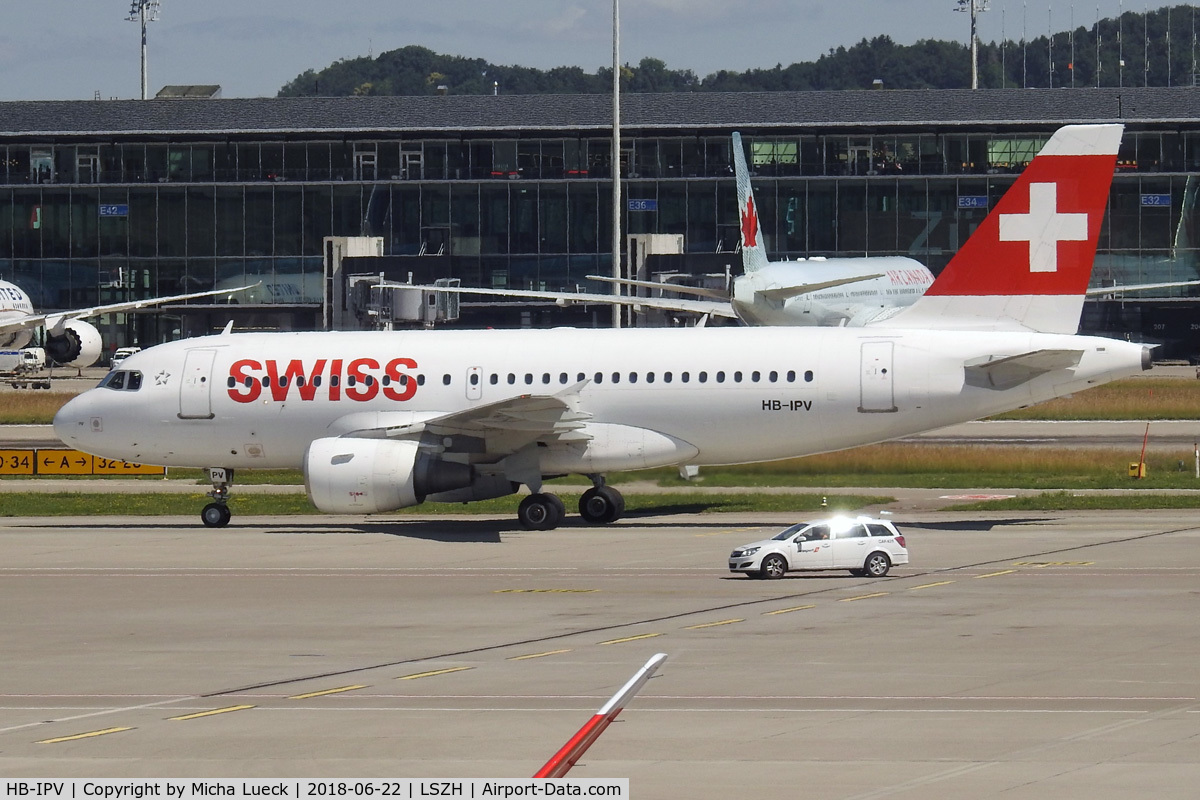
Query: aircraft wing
(787,292)
(568,298)
(713,294)
(1009,371)
(55,319)
(1140,287)
(716,309)
(501,428)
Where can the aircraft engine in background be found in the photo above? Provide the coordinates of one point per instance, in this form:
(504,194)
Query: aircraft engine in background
(73,343)
(14,340)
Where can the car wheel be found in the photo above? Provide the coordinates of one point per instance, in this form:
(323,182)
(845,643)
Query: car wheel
(774,566)
(877,565)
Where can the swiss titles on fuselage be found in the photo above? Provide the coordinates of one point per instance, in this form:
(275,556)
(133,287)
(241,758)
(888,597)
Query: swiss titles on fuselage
(359,379)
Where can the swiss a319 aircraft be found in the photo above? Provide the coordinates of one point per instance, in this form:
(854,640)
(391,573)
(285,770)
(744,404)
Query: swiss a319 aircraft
(383,420)
(70,340)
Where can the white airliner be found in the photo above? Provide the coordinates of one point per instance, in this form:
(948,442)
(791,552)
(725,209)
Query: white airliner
(813,291)
(383,420)
(70,341)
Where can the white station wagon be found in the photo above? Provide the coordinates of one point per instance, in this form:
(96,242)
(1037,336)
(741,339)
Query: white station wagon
(867,547)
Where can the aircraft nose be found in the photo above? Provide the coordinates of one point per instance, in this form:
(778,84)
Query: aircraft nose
(75,419)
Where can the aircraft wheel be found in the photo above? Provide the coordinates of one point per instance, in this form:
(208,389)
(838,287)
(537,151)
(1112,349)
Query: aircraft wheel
(560,508)
(540,512)
(216,515)
(601,505)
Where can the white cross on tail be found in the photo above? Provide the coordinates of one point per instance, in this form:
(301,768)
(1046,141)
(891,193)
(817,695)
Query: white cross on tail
(1043,227)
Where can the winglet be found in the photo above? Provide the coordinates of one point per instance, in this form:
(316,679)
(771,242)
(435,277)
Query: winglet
(1027,265)
(754,252)
(562,761)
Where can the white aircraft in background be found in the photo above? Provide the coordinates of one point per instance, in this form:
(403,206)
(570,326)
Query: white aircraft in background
(70,341)
(813,291)
(383,420)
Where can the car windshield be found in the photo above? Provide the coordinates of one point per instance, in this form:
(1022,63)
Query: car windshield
(790,532)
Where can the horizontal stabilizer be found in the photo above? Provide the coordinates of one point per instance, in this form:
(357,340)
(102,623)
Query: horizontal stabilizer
(1009,371)
(788,292)
(1138,287)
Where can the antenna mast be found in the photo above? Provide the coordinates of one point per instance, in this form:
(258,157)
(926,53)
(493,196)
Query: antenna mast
(145,12)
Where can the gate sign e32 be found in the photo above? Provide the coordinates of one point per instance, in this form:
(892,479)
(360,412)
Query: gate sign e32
(1156,200)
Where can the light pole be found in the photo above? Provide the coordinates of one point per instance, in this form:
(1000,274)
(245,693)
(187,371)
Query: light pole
(616,161)
(145,12)
(974,7)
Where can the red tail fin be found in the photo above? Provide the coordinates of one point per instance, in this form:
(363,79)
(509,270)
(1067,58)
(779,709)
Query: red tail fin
(1029,262)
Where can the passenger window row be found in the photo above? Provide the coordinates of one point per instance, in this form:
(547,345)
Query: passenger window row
(528,379)
(651,377)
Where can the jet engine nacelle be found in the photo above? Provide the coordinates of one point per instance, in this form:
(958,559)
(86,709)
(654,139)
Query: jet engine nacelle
(73,344)
(15,340)
(345,475)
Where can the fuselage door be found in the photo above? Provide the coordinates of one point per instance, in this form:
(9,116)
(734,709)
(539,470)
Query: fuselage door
(195,385)
(876,393)
(474,383)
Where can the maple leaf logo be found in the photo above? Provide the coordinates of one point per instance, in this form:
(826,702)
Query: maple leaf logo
(749,225)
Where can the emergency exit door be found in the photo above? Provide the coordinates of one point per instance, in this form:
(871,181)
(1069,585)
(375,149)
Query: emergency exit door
(876,393)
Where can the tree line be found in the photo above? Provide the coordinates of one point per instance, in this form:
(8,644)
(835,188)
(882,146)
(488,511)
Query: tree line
(1155,48)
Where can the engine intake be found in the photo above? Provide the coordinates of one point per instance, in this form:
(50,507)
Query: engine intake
(77,345)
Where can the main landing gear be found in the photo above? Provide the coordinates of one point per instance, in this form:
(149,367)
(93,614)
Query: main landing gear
(217,514)
(599,505)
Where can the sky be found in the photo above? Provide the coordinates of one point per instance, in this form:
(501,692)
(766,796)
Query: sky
(80,49)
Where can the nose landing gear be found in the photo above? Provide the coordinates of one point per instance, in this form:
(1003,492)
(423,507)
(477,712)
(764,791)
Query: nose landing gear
(217,514)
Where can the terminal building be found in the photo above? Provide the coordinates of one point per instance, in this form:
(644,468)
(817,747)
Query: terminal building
(103,201)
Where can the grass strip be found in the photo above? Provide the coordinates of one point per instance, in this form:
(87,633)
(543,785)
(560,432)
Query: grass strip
(70,504)
(892,464)
(1066,501)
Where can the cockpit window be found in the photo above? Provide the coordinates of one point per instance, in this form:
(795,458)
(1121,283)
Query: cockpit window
(122,380)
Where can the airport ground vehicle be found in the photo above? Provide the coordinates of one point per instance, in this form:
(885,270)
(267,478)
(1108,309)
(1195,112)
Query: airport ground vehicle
(121,354)
(23,368)
(866,547)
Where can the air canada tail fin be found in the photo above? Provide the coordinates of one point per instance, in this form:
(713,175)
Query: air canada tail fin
(1027,266)
(754,252)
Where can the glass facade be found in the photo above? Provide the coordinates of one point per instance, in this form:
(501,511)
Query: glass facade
(97,221)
